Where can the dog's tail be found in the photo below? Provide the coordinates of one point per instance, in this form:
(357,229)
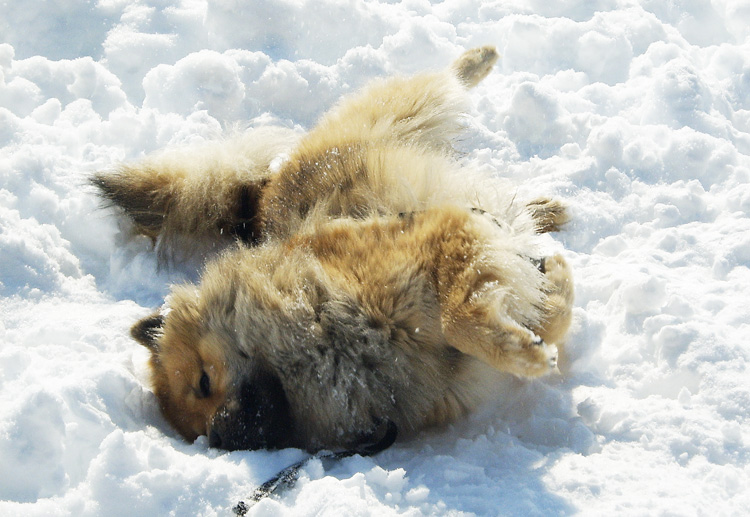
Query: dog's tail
(208,193)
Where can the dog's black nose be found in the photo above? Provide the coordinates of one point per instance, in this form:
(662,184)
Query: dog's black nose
(214,439)
(258,418)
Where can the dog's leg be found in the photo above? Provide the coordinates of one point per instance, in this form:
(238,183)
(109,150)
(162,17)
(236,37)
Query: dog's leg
(474,65)
(558,306)
(342,160)
(550,215)
(491,297)
(490,308)
(424,109)
(483,331)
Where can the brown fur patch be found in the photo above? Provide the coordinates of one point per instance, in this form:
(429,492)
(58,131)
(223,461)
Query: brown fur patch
(376,279)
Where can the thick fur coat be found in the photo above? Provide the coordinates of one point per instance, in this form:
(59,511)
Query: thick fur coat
(374,280)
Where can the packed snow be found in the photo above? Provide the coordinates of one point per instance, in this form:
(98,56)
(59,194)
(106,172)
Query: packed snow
(635,112)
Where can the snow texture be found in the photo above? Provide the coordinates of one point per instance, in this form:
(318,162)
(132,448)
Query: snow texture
(637,112)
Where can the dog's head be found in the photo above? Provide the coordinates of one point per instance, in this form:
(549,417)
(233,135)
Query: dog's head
(266,353)
(208,385)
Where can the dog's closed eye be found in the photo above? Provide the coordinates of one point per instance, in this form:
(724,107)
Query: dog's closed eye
(205,385)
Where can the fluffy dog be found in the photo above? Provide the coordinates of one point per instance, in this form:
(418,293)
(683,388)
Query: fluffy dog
(375,279)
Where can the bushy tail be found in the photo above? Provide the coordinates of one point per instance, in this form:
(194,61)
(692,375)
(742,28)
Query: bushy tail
(208,192)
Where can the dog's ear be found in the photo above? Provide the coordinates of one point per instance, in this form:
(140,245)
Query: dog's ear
(148,330)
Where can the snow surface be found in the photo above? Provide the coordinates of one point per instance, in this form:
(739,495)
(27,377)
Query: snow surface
(636,112)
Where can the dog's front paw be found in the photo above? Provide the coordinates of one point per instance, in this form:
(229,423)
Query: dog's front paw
(531,356)
(545,355)
(558,306)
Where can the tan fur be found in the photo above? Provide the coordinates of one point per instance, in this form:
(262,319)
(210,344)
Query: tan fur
(474,65)
(378,281)
(384,149)
(360,319)
(199,197)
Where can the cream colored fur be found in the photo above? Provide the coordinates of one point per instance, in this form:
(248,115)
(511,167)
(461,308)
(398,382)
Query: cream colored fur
(387,148)
(375,278)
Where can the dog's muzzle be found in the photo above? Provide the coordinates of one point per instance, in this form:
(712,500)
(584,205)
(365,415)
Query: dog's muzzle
(258,417)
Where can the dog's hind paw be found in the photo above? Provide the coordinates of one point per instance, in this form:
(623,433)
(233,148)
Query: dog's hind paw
(550,215)
(475,64)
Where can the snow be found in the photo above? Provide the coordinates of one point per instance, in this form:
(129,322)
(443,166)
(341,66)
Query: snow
(635,112)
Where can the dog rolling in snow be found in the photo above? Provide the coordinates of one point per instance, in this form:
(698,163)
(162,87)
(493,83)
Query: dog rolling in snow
(374,280)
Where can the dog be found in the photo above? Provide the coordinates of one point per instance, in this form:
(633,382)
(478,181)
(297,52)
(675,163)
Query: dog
(354,276)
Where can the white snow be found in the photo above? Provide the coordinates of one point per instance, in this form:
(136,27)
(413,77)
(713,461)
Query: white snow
(636,112)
